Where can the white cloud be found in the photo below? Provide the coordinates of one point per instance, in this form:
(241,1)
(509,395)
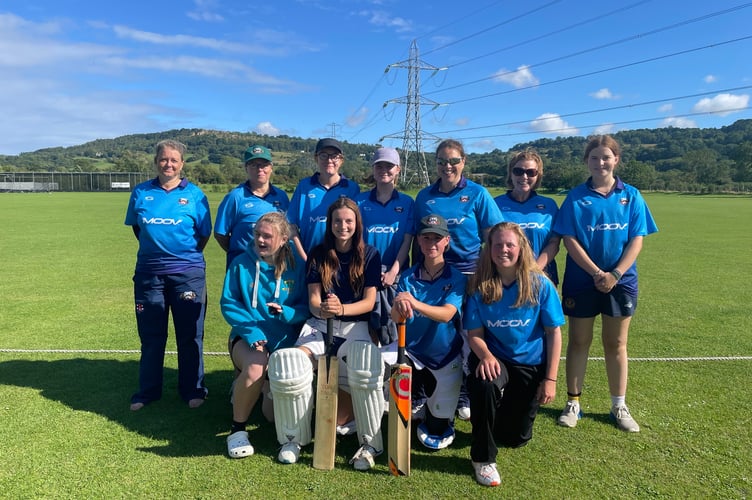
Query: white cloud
(205,11)
(521,77)
(61,92)
(678,122)
(722,104)
(265,42)
(357,118)
(666,108)
(266,128)
(604,128)
(462,121)
(207,67)
(178,40)
(551,123)
(382,19)
(710,79)
(603,93)
(46,114)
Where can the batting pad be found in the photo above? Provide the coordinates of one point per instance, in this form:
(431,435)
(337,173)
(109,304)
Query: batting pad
(291,384)
(365,376)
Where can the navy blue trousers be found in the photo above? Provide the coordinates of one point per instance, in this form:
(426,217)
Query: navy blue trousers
(156,296)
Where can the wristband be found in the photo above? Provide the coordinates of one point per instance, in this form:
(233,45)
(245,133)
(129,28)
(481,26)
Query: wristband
(551,379)
(616,274)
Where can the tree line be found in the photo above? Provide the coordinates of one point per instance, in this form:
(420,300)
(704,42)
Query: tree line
(663,159)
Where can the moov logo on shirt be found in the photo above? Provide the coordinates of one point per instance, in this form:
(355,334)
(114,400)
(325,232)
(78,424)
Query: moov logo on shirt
(316,220)
(161,221)
(507,323)
(454,221)
(382,229)
(607,227)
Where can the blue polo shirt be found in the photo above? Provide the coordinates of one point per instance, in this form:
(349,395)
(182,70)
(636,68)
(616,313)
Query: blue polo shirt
(469,210)
(536,217)
(433,343)
(310,203)
(516,334)
(603,225)
(386,224)
(171,224)
(240,209)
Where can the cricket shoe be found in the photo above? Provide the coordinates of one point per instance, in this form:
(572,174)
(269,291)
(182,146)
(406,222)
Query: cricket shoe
(486,473)
(364,457)
(289,453)
(571,414)
(623,419)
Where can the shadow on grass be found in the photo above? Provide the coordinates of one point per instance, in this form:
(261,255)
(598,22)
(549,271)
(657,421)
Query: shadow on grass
(104,387)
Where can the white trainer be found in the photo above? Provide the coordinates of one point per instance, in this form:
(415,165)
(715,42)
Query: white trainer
(364,457)
(289,453)
(486,473)
(623,419)
(571,414)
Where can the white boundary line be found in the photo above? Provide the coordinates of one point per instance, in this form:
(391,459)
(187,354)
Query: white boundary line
(134,351)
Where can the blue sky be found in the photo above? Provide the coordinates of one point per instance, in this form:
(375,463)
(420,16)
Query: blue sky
(509,71)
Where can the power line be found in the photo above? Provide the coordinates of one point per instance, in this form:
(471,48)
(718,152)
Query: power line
(625,122)
(612,68)
(601,110)
(457,20)
(578,24)
(485,30)
(598,47)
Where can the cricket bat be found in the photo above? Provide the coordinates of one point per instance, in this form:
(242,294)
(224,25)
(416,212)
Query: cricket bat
(325,437)
(400,409)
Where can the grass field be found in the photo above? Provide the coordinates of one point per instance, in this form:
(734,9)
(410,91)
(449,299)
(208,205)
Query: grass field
(66,431)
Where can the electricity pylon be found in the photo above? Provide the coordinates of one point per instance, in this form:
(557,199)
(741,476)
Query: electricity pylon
(414,167)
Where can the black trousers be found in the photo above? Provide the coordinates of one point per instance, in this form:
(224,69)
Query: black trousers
(502,410)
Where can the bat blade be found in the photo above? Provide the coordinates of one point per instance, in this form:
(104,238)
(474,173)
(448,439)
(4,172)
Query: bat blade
(327,386)
(400,410)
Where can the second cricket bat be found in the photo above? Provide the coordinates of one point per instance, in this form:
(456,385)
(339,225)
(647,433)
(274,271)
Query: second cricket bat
(400,409)
(325,437)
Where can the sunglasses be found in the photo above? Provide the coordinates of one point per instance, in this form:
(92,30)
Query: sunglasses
(452,161)
(531,172)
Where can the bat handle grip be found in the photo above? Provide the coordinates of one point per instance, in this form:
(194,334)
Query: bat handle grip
(329,334)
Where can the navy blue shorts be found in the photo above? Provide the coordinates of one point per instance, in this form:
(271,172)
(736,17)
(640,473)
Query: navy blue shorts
(591,303)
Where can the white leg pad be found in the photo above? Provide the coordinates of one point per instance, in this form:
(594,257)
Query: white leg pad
(365,376)
(291,384)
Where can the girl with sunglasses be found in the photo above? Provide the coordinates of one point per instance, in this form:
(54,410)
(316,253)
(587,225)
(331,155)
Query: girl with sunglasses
(534,213)
(470,212)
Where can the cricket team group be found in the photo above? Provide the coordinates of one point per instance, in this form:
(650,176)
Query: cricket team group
(332,270)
